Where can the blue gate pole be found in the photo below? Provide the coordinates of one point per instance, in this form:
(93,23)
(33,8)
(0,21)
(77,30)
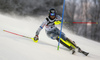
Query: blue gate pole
(61,24)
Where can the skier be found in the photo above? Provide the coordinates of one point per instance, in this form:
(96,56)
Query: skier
(53,32)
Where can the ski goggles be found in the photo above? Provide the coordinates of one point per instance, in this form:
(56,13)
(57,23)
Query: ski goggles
(52,14)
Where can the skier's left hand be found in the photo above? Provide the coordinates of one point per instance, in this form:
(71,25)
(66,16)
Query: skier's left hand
(36,37)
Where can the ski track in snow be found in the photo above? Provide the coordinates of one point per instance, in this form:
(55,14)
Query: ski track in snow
(14,47)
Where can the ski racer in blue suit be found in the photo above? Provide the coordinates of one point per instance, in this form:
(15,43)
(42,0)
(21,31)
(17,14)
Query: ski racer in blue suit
(53,32)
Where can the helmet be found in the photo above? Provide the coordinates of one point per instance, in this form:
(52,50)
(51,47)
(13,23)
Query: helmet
(52,12)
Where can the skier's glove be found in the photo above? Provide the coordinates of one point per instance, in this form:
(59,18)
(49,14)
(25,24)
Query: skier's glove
(36,37)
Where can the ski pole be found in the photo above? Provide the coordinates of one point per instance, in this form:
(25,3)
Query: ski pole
(21,35)
(61,24)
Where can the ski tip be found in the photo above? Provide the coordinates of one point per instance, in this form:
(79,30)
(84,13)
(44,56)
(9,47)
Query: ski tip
(87,54)
(34,40)
(73,51)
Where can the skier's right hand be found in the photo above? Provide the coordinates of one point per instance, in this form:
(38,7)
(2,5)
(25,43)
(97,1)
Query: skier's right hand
(36,37)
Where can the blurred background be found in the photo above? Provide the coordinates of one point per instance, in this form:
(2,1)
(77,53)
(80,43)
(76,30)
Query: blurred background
(75,11)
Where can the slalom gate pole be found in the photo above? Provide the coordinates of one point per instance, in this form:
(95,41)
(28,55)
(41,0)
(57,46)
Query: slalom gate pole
(17,34)
(61,24)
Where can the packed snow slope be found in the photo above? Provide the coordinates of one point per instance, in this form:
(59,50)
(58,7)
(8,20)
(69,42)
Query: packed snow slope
(14,47)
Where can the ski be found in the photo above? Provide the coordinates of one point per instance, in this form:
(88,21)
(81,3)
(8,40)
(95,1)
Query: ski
(81,51)
(73,51)
(85,53)
(21,35)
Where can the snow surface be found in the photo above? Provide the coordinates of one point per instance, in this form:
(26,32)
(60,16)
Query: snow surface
(14,47)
